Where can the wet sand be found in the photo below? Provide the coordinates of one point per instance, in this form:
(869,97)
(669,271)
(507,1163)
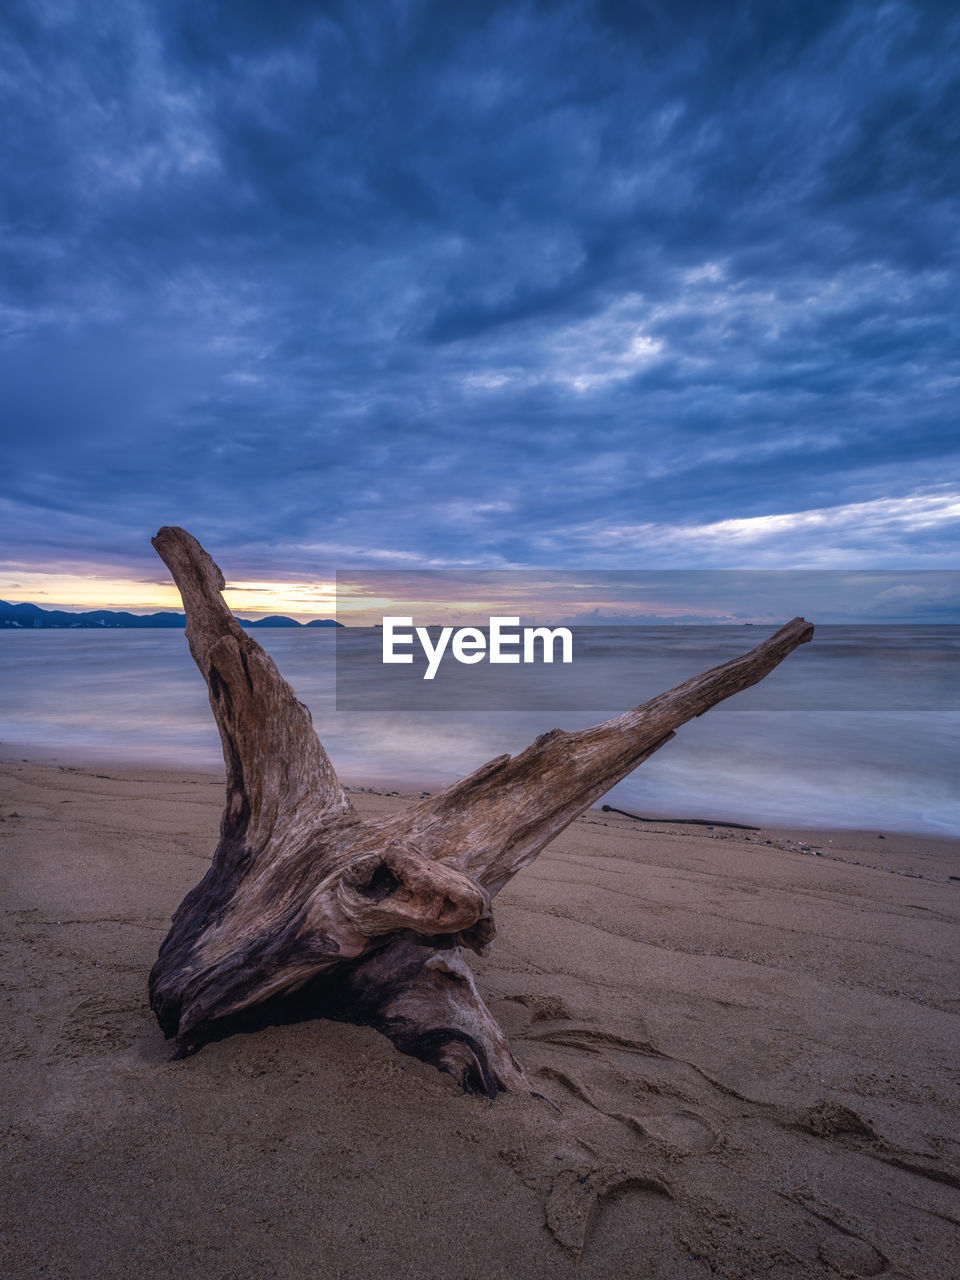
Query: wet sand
(752,1052)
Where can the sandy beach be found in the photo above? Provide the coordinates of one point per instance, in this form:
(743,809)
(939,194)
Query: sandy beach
(748,1051)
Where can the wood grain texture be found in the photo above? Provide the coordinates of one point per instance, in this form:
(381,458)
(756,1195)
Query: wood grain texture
(367,920)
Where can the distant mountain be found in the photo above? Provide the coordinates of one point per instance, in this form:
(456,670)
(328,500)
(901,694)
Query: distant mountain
(274,620)
(29,617)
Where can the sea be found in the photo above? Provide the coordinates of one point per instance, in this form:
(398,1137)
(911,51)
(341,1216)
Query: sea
(858,729)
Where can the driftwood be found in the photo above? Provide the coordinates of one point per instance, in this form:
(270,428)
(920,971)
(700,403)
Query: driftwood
(307,906)
(679,822)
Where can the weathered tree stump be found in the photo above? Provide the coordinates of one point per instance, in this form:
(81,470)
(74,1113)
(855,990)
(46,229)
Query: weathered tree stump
(366,920)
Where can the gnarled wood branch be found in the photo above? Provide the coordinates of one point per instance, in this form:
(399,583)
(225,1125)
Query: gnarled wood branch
(365,920)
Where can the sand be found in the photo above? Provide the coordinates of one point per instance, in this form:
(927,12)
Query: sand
(751,1052)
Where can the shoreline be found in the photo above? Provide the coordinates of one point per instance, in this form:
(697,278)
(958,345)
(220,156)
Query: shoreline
(818,837)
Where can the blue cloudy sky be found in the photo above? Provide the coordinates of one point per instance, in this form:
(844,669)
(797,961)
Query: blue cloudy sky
(431,284)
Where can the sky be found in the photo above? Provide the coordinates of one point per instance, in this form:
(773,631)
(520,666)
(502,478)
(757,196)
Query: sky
(432,285)
(657,597)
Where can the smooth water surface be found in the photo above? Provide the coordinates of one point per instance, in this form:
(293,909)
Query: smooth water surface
(858,729)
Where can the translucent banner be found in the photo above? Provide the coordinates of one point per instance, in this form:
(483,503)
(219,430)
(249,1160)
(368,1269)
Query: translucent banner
(605,640)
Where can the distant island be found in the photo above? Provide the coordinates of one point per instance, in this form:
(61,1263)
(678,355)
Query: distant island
(28,617)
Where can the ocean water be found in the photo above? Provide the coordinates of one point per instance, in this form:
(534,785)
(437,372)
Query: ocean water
(860,728)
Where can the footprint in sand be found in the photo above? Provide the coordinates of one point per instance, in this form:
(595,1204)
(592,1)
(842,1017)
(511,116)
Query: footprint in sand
(685,1131)
(577,1195)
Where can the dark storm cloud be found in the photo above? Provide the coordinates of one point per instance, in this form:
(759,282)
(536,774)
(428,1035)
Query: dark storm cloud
(481,284)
